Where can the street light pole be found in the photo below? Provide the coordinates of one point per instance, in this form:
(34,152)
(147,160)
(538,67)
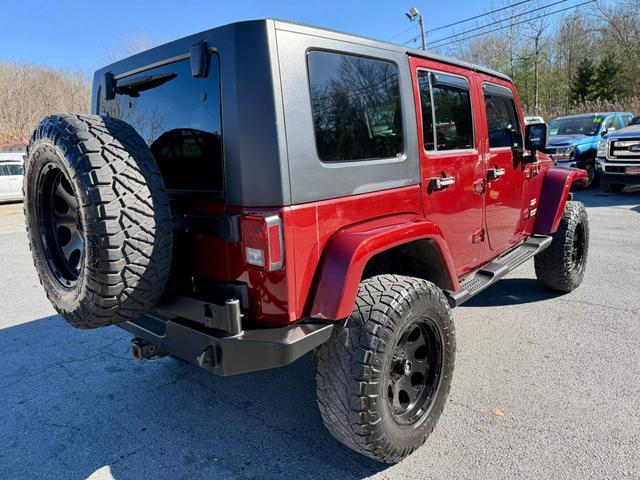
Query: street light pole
(414,14)
(424,37)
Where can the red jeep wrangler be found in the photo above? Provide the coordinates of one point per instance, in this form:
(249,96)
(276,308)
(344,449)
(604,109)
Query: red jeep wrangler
(248,194)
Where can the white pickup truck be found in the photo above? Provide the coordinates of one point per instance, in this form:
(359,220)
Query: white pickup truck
(618,159)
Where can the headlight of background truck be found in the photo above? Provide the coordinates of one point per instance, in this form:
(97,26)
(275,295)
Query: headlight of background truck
(602,148)
(564,154)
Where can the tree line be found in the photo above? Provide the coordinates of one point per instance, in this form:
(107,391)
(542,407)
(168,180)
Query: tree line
(30,92)
(587,59)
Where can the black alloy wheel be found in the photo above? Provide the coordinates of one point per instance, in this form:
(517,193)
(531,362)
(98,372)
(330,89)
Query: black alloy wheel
(383,377)
(61,226)
(414,372)
(562,265)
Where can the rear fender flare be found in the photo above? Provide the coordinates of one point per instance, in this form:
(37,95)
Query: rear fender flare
(555,192)
(349,250)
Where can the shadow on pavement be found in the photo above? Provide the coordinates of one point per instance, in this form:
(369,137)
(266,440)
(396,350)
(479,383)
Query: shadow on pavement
(73,402)
(597,197)
(511,291)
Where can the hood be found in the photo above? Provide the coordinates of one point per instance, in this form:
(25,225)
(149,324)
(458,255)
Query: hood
(569,140)
(632,131)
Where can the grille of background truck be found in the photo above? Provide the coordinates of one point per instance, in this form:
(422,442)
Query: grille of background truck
(619,150)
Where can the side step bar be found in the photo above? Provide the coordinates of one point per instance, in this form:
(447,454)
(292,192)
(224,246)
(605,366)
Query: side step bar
(493,271)
(248,351)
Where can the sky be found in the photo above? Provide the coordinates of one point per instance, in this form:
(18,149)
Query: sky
(81,34)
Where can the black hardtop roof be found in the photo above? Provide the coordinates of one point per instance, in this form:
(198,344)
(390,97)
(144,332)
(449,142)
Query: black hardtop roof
(333,34)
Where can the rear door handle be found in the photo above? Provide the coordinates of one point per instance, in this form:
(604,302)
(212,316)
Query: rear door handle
(495,173)
(440,183)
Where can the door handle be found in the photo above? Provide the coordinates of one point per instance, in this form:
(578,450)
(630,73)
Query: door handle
(440,183)
(495,173)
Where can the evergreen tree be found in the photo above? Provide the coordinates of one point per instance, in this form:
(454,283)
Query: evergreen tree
(582,87)
(606,82)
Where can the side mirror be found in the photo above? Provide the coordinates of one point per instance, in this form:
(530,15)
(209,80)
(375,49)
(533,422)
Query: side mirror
(535,137)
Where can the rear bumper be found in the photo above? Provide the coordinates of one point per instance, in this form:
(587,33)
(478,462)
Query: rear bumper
(224,354)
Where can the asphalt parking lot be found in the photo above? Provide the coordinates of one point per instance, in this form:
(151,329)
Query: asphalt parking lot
(564,371)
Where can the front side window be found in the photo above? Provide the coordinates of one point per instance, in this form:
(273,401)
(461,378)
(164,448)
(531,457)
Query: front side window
(448,107)
(355,103)
(502,121)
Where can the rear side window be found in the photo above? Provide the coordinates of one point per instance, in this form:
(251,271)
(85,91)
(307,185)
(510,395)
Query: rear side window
(355,103)
(15,169)
(502,120)
(447,119)
(626,118)
(179,117)
(3,171)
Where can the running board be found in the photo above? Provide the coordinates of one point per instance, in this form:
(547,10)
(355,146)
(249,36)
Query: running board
(493,271)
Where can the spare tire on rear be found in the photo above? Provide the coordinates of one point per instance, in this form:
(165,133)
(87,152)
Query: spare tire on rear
(98,219)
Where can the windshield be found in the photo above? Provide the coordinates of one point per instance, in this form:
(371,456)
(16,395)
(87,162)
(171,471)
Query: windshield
(588,126)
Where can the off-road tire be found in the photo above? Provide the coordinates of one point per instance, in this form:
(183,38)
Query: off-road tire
(123,213)
(556,267)
(352,367)
(612,187)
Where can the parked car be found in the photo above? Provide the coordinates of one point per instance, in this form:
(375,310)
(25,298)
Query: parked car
(353,193)
(618,159)
(528,119)
(573,140)
(13,156)
(11,176)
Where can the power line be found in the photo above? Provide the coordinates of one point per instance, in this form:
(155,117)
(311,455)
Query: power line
(442,27)
(413,25)
(500,21)
(478,16)
(514,24)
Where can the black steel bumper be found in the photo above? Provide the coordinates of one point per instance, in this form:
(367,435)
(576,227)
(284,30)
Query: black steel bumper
(619,178)
(211,337)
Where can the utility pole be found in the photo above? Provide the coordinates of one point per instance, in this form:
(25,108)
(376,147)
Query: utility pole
(414,14)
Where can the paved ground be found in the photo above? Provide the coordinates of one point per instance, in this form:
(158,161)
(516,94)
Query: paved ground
(564,370)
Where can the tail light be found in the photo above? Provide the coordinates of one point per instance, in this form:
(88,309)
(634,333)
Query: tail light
(262,242)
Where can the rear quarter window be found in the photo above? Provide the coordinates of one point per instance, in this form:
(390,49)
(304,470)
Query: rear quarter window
(356,107)
(179,116)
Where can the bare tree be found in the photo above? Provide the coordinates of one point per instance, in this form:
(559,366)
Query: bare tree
(28,93)
(133,43)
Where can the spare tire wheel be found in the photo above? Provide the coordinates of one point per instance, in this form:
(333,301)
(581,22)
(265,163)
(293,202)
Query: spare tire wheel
(98,219)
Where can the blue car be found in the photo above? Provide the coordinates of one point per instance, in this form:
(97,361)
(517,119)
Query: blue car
(573,140)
